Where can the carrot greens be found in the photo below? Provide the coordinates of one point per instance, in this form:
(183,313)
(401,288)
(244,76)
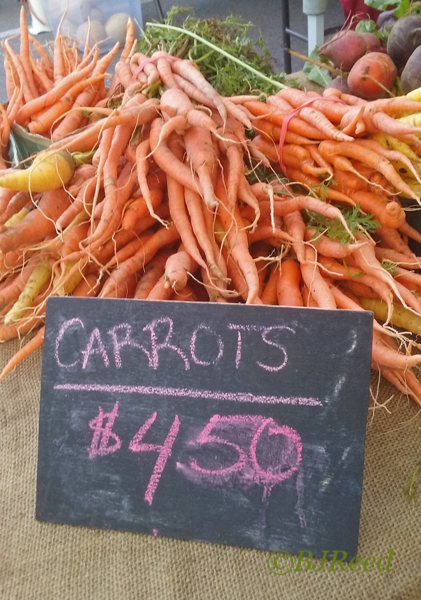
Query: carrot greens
(334,229)
(223,49)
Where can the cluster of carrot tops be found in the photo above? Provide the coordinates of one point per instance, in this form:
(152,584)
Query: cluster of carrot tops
(179,193)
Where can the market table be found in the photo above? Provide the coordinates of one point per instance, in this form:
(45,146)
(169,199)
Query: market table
(48,561)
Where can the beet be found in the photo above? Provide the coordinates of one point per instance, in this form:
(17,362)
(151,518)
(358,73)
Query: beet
(369,71)
(339,83)
(372,42)
(411,74)
(404,37)
(344,49)
(386,19)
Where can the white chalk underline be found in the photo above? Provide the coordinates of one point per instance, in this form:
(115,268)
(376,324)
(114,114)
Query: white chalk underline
(189,393)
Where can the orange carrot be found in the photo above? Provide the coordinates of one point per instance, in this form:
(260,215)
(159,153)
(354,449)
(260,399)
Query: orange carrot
(178,267)
(167,160)
(28,89)
(315,282)
(137,209)
(361,289)
(37,224)
(329,247)
(153,272)
(129,40)
(390,214)
(40,103)
(391,237)
(73,120)
(116,196)
(88,287)
(332,109)
(336,270)
(161,238)
(295,124)
(238,243)
(160,291)
(383,355)
(308,299)
(296,228)
(33,344)
(88,138)
(269,294)
(288,284)
(329,148)
(202,157)
(188,70)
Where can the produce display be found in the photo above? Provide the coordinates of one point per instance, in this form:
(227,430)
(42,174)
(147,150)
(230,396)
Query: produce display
(158,185)
(355,53)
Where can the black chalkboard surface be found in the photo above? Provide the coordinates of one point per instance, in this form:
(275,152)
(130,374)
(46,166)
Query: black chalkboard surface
(233,424)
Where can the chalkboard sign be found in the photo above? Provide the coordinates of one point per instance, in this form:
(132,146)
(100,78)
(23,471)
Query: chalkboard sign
(232,424)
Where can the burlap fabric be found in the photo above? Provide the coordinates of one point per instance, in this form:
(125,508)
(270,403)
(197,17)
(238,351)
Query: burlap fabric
(43,561)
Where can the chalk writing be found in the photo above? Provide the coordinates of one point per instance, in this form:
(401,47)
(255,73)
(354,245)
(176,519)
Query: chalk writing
(103,433)
(188,393)
(159,337)
(287,462)
(164,452)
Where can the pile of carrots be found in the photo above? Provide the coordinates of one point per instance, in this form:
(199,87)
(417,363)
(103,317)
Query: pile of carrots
(183,194)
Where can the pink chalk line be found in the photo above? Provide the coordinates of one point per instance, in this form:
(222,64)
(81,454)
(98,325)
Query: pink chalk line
(187,392)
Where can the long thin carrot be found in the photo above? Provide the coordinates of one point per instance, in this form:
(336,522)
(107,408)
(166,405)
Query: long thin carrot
(202,157)
(269,295)
(189,71)
(34,343)
(329,148)
(73,120)
(167,160)
(153,272)
(88,138)
(233,226)
(315,282)
(288,284)
(161,238)
(55,94)
(37,224)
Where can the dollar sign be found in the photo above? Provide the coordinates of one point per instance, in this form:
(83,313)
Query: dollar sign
(100,445)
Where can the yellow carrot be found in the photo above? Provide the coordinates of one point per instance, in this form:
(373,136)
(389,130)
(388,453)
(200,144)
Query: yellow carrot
(49,171)
(401,316)
(38,278)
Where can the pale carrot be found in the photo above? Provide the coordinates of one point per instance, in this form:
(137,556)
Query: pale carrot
(178,267)
(202,157)
(188,70)
(314,280)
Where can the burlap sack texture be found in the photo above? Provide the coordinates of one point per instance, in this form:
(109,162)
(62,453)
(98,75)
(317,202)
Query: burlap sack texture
(43,561)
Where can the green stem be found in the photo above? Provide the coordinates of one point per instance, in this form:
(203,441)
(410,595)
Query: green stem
(229,56)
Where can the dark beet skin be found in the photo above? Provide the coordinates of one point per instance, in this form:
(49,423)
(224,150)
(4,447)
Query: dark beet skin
(404,37)
(386,19)
(411,74)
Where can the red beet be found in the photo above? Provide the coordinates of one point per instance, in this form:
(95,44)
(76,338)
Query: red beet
(344,49)
(372,42)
